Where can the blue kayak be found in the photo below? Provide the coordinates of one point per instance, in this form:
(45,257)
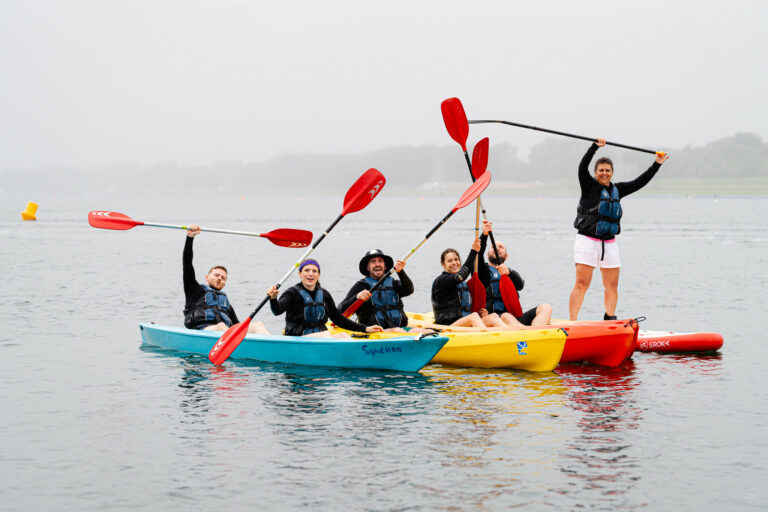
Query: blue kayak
(406,353)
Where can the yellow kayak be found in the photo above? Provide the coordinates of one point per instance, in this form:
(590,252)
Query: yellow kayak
(532,350)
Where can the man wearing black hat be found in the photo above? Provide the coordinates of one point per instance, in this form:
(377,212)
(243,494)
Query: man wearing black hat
(385,306)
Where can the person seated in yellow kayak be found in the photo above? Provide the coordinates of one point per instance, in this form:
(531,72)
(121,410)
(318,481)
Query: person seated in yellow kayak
(451,299)
(385,306)
(206,306)
(491,274)
(308,306)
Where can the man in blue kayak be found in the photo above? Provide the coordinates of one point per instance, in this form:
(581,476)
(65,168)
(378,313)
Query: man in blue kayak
(385,306)
(540,315)
(206,306)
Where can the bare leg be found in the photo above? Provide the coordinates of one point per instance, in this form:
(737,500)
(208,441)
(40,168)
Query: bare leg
(510,320)
(221,326)
(493,320)
(257,328)
(471,320)
(543,315)
(420,330)
(580,287)
(611,286)
(327,334)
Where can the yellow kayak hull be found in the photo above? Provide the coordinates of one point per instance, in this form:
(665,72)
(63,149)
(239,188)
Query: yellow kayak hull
(531,350)
(535,351)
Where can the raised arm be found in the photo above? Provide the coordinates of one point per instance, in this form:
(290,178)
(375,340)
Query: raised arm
(585,177)
(188,271)
(629,187)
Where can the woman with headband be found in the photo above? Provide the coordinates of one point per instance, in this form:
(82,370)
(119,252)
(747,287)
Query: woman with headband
(308,306)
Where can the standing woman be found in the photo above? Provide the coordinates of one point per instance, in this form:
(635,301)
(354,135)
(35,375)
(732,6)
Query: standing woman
(307,307)
(451,300)
(597,222)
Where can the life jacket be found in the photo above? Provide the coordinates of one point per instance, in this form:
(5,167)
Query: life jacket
(495,304)
(386,303)
(455,309)
(210,309)
(602,220)
(314,310)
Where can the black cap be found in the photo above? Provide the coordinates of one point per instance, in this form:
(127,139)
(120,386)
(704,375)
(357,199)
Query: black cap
(373,253)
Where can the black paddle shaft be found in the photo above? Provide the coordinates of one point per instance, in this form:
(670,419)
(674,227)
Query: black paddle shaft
(482,206)
(592,139)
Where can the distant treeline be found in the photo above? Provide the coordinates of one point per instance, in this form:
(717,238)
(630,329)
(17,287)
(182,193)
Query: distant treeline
(743,155)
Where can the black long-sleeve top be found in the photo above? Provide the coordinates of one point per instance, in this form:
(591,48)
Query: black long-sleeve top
(291,303)
(590,188)
(485,275)
(365,313)
(446,302)
(194,291)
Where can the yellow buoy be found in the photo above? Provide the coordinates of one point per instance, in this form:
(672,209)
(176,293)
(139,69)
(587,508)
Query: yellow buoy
(29,213)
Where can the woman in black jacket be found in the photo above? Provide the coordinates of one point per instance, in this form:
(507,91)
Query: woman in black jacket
(451,299)
(308,306)
(597,223)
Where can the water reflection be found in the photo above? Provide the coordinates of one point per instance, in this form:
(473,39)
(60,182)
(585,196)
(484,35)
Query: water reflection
(290,389)
(600,461)
(492,418)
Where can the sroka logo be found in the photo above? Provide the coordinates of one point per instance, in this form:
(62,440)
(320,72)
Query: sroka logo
(655,344)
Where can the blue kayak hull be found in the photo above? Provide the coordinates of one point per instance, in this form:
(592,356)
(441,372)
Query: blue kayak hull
(406,354)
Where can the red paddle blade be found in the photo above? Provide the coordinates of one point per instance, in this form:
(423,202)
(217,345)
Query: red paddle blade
(474,191)
(455,121)
(352,309)
(480,158)
(509,296)
(289,237)
(477,291)
(111,220)
(363,191)
(229,341)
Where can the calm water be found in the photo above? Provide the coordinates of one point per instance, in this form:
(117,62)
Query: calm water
(93,421)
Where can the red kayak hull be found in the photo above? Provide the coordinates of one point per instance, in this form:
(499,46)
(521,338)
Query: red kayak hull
(605,343)
(665,341)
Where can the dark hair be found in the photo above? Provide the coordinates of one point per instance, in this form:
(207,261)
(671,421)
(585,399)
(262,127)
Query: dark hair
(218,266)
(446,253)
(604,160)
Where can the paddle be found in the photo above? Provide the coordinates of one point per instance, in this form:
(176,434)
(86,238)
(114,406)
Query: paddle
(469,195)
(660,153)
(475,285)
(458,128)
(122,222)
(362,192)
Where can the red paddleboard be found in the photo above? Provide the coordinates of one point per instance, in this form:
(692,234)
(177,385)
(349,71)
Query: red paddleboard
(666,341)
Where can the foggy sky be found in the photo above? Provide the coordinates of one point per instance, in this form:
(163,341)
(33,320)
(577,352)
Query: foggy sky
(96,82)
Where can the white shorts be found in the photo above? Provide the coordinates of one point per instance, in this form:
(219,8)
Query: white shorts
(588,250)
